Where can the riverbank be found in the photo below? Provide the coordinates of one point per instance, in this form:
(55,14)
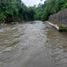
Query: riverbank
(53,25)
(60,28)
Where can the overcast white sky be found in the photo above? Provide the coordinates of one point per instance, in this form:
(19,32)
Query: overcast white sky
(32,2)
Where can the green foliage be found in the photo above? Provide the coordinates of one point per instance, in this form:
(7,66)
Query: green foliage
(50,7)
(65,5)
(29,14)
(62,28)
(39,12)
(15,10)
(2,17)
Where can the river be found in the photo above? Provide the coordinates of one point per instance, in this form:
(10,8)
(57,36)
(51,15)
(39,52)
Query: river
(32,44)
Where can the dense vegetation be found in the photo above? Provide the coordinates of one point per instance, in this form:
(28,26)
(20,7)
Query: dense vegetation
(62,28)
(50,7)
(15,10)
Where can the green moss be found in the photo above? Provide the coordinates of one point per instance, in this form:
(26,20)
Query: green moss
(62,28)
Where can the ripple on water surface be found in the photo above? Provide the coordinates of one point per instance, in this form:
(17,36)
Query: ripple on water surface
(9,36)
(57,42)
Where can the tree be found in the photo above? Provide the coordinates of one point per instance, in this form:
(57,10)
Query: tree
(50,7)
(15,10)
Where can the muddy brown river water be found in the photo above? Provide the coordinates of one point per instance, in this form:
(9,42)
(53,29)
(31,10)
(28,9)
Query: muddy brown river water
(32,44)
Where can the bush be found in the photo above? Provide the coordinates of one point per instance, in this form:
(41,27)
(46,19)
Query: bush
(2,17)
(62,28)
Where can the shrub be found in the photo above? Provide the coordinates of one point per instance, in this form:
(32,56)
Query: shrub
(2,17)
(62,28)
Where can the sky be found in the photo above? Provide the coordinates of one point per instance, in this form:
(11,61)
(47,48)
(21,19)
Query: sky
(32,2)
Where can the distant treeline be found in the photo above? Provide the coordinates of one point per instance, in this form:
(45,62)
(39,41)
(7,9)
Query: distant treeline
(15,10)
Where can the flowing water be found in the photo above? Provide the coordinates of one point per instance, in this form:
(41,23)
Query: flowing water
(32,44)
(57,42)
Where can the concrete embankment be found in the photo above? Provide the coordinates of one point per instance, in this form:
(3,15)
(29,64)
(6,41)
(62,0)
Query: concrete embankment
(53,25)
(59,18)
